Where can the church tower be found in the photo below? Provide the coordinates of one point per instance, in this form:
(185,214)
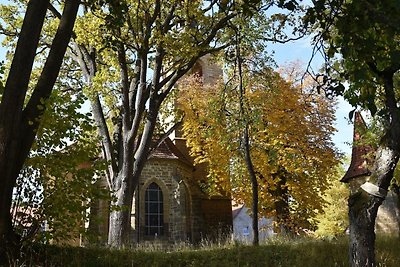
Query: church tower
(388,218)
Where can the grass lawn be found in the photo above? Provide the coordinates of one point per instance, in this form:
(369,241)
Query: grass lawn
(302,253)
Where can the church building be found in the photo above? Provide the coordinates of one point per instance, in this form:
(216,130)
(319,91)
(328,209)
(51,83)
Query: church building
(169,205)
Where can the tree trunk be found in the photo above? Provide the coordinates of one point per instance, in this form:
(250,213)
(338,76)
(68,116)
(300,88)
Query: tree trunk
(363,209)
(281,204)
(15,146)
(10,115)
(364,204)
(119,228)
(123,187)
(246,145)
(125,184)
(254,188)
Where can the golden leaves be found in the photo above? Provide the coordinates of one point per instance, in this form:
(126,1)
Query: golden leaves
(290,132)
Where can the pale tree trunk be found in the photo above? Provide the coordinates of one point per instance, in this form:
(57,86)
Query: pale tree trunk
(140,100)
(363,205)
(18,125)
(119,234)
(363,209)
(362,215)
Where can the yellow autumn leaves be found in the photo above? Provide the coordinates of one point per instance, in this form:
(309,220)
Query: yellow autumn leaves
(290,138)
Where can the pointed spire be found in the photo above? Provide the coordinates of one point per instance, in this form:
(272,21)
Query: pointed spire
(359,161)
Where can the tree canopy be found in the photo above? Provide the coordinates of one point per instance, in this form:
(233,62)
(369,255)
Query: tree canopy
(290,136)
(259,128)
(360,41)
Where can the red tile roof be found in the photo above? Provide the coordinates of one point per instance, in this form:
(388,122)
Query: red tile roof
(168,150)
(359,162)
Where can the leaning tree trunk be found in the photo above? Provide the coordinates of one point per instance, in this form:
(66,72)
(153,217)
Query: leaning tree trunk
(363,209)
(11,113)
(18,125)
(364,204)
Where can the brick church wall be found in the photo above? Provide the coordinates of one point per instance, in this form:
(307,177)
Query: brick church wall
(172,177)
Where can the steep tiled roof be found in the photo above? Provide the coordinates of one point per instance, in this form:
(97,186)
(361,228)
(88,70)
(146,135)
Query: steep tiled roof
(167,150)
(359,163)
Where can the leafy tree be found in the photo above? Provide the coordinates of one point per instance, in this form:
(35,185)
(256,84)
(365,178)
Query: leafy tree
(57,184)
(131,59)
(20,116)
(365,36)
(290,132)
(333,221)
(250,39)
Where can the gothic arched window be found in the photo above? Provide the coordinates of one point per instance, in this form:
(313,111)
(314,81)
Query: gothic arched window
(153,203)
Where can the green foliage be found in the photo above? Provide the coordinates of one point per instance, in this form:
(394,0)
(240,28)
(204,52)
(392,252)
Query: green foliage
(365,35)
(290,253)
(333,221)
(58,182)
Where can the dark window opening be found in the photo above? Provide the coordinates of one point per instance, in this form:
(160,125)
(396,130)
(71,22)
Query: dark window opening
(154,212)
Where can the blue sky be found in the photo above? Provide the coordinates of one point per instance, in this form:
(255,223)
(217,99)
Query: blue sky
(301,50)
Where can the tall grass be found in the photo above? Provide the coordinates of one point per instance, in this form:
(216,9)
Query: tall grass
(277,252)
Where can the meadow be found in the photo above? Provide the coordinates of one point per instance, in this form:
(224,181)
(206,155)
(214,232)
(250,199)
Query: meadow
(278,252)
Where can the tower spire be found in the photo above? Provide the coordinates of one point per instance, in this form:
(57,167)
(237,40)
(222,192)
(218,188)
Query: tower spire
(359,160)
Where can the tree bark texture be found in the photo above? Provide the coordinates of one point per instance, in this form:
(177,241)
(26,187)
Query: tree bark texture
(362,214)
(119,234)
(281,204)
(363,209)
(11,112)
(18,125)
(363,206)
(254,187)
(140,98)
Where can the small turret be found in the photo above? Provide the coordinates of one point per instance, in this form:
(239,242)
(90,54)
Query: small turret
(358,171)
